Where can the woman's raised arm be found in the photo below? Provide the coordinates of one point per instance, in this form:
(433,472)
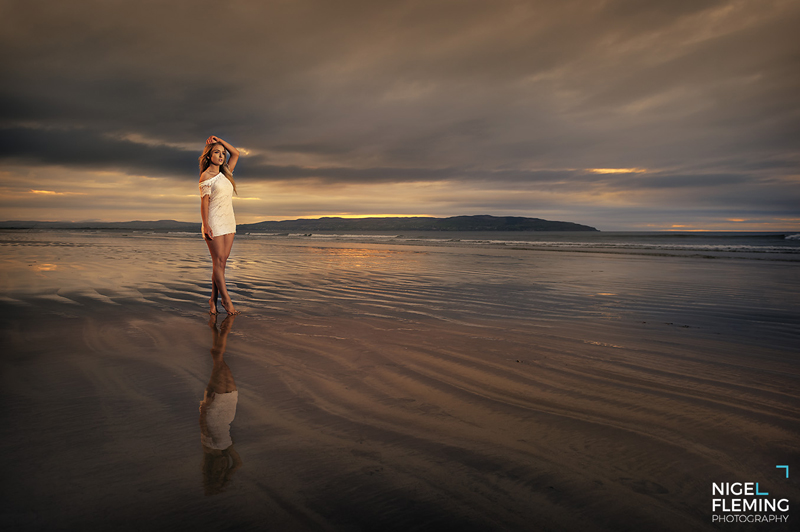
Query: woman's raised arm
(233,151)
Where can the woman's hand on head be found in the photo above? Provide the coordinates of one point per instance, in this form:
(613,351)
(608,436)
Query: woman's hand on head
(212,139)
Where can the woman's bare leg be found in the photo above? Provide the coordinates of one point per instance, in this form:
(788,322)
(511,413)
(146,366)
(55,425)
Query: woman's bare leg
(212,302)
(220,249)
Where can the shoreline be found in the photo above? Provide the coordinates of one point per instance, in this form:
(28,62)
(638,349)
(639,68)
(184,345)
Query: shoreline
(624,243)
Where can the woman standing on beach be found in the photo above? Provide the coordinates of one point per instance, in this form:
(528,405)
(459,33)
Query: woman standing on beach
(216,209)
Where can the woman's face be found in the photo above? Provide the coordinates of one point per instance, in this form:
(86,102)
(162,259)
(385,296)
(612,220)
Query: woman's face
(218,155)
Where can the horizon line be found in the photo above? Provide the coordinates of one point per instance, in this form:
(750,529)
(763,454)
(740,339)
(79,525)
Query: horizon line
(362,217)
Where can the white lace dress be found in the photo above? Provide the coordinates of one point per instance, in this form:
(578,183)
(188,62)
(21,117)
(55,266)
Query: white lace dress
(220,204)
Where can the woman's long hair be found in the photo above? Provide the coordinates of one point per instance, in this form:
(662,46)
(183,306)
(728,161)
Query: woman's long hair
(205,162)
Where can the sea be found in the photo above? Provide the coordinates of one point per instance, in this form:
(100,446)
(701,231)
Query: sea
(744,284)
(734,245)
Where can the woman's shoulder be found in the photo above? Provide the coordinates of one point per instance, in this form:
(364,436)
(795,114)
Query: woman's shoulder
(205,176)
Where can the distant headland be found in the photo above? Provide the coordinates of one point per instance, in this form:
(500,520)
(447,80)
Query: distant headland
(420,223)
(416,223)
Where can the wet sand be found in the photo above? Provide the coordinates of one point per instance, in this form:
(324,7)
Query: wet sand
(391,389)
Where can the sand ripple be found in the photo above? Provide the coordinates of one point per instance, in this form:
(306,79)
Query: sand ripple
(395,389)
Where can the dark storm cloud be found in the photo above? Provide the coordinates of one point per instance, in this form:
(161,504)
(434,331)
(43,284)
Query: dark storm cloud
(80,148)
(702,93)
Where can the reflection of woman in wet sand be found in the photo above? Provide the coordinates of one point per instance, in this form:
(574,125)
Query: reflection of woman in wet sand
(217,410)
(216,209)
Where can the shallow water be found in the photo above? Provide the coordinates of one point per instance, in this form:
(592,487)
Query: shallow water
(390,387)
(753,300)
(731,245)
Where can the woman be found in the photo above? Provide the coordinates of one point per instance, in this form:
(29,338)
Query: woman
(216,208)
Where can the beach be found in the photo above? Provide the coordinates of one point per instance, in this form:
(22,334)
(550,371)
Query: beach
(395,384)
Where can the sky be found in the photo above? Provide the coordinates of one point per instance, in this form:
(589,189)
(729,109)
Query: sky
(619,114)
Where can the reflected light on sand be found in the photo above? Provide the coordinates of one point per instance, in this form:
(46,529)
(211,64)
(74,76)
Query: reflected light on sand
(45,267)
(356,258)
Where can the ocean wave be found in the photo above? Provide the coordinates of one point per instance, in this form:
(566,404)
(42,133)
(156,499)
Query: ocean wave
(775,244)
(653,246)
(317,235)
(534,244)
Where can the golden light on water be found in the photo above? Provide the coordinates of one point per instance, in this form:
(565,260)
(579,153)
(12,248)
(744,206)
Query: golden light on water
(360,258)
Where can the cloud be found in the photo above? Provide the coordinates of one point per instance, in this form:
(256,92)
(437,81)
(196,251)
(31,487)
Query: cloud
(82,148)
(514,95)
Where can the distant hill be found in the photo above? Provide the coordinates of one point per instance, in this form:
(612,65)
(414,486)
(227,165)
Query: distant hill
(417,223)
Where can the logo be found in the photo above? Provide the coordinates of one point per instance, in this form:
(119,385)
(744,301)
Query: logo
(747,502)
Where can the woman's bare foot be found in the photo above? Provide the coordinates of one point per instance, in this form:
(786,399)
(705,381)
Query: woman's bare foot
(229,307)
(213,306)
